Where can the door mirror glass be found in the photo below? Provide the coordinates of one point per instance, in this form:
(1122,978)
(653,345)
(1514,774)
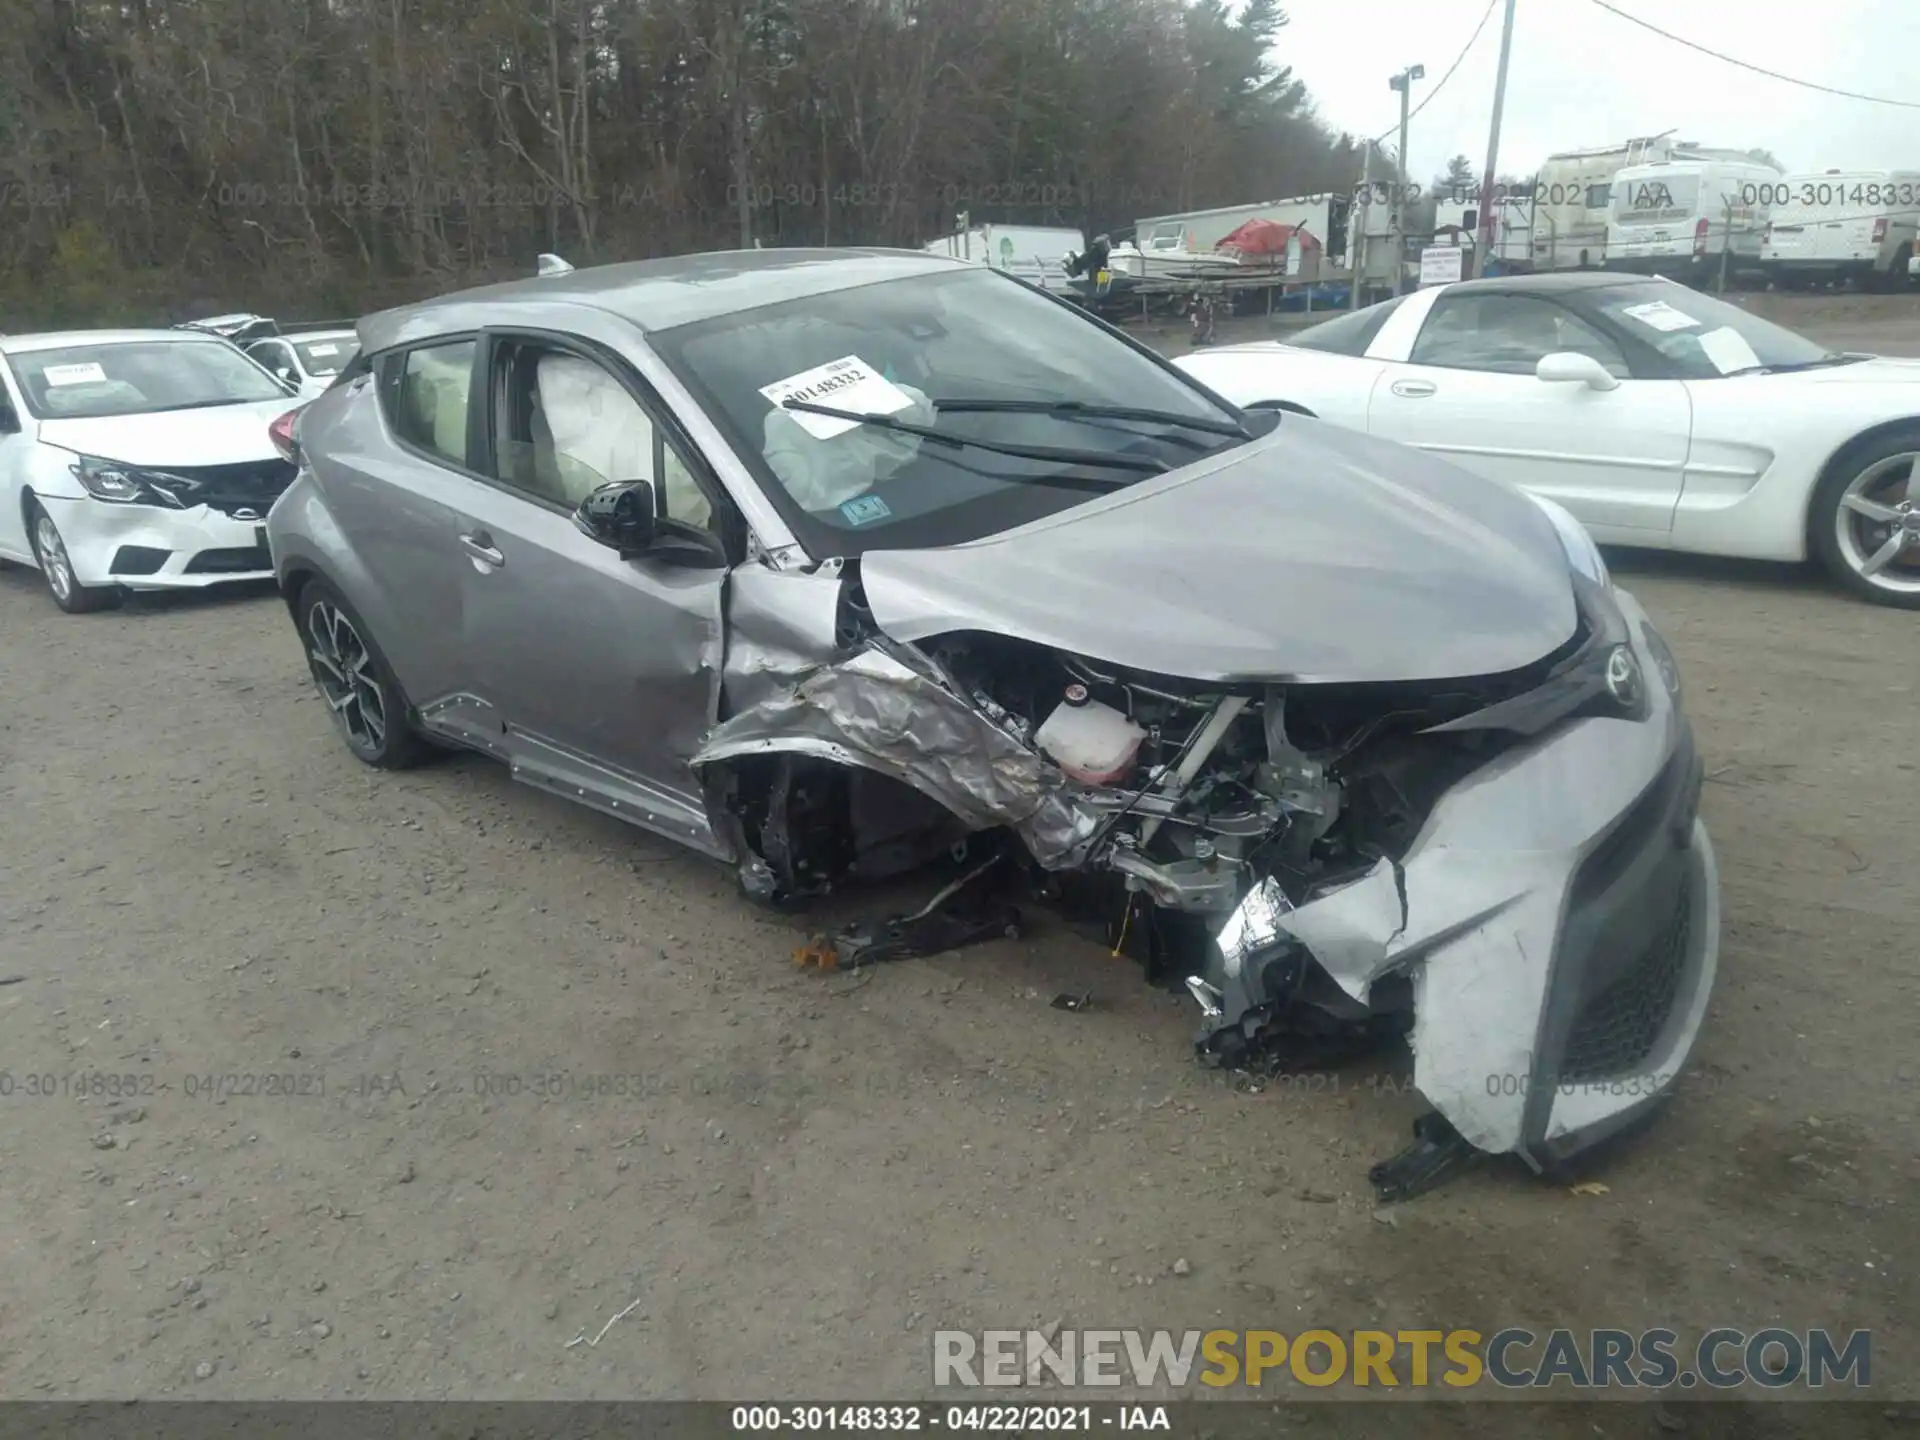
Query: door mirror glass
(1567,367)
(9,422)
(621,516)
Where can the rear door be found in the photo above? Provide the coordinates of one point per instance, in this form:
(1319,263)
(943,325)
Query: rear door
(605,671)
(1467,391)
(390,452)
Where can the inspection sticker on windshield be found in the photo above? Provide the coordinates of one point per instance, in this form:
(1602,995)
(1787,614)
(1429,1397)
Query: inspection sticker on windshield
(1728,350)
(323,349)
(846,384)
(1658,315)
(865,509)
(88,374)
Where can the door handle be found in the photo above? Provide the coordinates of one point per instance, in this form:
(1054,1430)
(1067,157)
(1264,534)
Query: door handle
(481,547)
(1413,389)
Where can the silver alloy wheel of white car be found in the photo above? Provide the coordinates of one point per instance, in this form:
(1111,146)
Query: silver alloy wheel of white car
(1877,523)
(343,668)
(54,563)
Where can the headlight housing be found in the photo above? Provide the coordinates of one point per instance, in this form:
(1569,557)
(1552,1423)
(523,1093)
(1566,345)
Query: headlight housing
(1582,553)
(120,484)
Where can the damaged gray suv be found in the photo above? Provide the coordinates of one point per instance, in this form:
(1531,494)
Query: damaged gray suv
(833,564)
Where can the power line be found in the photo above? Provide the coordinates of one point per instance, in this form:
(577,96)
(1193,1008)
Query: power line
(1441,84)
(1757,69)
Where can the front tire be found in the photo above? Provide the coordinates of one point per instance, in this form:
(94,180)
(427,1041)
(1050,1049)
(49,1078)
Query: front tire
(56,567)
(351,675)
(1865,520)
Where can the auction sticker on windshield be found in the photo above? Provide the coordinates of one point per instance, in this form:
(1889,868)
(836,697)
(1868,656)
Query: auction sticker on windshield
(1659,315)
(88,374)
(848,383)
(1728,350)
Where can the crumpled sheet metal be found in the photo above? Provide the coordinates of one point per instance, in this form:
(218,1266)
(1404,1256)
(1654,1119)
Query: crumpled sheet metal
(874,711)
(1473,913)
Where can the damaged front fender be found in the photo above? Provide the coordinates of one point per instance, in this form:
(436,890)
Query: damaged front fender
(878,712)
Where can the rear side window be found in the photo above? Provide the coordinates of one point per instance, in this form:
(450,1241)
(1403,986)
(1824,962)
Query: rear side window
(1350,334)
(425,398)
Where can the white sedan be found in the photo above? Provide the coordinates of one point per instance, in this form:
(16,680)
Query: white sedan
(137,460)
(307,360)
(1660,417)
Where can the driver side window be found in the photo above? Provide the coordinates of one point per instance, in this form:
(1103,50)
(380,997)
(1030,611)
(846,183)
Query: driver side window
(1508,334)
(564,425)
(276,357)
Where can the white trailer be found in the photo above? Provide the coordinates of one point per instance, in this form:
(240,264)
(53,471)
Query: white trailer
(1841,225)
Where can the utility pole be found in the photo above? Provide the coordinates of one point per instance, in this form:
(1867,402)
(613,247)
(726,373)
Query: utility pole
(1357,229)
(1403,82)
(1488,204)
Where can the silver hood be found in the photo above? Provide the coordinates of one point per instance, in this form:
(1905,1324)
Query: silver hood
(1316,555)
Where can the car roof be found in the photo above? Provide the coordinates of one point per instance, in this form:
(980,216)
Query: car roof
(62,339)
(656,294)
(1556,283)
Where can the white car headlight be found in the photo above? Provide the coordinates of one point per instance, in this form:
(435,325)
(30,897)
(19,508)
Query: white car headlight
(1582,553)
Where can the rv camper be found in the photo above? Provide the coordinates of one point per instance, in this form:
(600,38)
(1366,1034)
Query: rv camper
(1689,219)
(1855,226)
(1573,196)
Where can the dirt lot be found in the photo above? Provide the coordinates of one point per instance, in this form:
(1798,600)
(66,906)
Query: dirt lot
(793,1179)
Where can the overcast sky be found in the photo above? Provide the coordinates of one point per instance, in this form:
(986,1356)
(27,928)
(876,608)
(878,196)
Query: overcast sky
(1581,77)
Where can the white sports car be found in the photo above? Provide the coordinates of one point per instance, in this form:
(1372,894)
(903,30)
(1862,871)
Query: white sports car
(137,460)
(1660,417)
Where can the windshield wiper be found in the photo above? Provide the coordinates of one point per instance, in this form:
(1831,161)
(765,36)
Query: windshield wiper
(1788,367)
(1072,408)
(1059,455)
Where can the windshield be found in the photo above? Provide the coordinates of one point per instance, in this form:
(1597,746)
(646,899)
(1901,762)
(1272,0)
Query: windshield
(1348,335)
(900,348)
(327,355)
(1702,337)
(89,382)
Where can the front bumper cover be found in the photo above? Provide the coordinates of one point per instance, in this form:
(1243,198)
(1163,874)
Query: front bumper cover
(203,546)
(1558,919)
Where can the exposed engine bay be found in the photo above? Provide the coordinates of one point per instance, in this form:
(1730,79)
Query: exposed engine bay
(1194,822)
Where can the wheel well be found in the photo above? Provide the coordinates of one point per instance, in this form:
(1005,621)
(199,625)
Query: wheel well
(292,583)
(28,504)
(1841,456)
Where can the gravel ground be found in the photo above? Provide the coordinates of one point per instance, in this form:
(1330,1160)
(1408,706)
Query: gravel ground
(779,1182)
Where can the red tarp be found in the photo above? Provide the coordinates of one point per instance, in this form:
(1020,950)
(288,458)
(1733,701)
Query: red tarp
(1267,237)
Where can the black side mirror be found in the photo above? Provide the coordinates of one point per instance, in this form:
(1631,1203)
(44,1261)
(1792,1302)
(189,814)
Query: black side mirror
(620,516)
(9,422)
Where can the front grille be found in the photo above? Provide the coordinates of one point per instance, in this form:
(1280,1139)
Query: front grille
(1615,1030)
(137,560)
(230,561)
(231,489)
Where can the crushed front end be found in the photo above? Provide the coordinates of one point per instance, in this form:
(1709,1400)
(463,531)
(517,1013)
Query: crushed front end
(1508,870)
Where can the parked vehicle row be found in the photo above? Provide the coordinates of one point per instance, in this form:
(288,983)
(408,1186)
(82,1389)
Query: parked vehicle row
(1297,664)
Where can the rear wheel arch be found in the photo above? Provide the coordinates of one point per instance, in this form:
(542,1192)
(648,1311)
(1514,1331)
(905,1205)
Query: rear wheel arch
(1846,463)
(1846,453)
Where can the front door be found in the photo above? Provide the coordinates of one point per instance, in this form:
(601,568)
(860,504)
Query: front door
(606,671)
(1467,392)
